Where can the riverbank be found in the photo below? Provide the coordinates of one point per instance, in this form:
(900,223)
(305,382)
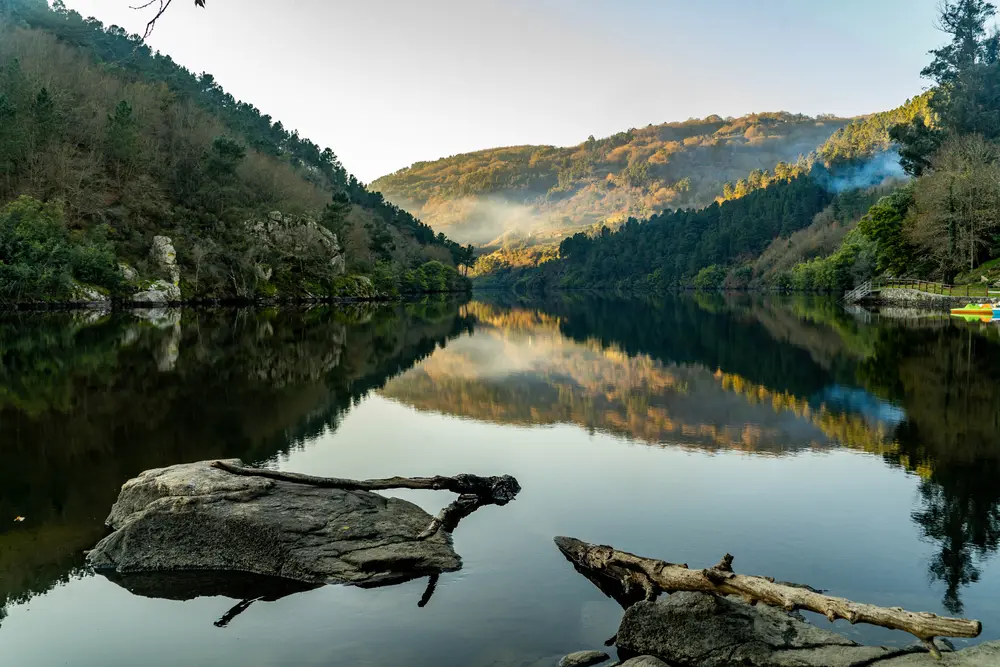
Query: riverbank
(112,305)
(157,280)
(911,298)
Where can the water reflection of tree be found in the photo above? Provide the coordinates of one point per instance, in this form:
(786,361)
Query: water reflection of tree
(84,405)
(713,333)
(961,513)
(943,375)
(946,381)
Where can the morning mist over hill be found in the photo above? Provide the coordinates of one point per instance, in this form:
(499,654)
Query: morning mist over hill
(544,193)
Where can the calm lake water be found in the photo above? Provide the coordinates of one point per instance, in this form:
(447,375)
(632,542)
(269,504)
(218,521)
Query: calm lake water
(859,457)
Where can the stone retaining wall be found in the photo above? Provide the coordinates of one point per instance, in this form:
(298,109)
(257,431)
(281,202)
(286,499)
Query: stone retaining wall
(899,296)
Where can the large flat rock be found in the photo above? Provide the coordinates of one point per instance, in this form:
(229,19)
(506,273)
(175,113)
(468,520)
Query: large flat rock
(196,517)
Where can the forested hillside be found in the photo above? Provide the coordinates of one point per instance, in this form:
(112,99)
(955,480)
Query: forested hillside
(669,249)
(944,224)
(549,192)
(105,145)
(859,158)
(913,192)
(868,136)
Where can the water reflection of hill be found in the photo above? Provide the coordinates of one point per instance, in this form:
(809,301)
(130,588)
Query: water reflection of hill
(710,331)
(85,405)
(749,374)
(521,368)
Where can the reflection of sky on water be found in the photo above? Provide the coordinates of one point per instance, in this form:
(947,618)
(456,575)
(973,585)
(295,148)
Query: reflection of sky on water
(858,401)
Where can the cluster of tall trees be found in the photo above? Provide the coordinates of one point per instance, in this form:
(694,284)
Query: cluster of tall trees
(945,223)
(130,142)
(951,222)
(669,249)
(761,178)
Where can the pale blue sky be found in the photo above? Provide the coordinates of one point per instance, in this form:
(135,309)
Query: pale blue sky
(389,82)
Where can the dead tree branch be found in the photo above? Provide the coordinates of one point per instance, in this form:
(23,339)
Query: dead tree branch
(499,490)
(607,562)
(475,491)
(448,518)
(164,5)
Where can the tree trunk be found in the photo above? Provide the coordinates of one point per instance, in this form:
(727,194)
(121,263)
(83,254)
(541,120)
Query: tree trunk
(654,576)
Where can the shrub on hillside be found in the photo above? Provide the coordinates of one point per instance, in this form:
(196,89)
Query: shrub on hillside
(433,277)
(40,257)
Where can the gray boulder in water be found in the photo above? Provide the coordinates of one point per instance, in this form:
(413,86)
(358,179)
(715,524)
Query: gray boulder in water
(196,517)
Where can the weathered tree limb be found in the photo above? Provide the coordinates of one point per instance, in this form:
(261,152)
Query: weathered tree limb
(608,562)
(448,518)
(475,491)
(499,490)
(164,5)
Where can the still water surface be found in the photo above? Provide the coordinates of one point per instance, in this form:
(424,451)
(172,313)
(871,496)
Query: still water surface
(862,458)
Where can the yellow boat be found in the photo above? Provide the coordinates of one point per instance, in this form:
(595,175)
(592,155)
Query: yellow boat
(978,309)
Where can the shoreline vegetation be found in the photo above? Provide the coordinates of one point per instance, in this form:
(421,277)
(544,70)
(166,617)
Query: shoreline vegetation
(890,297)
(233,303)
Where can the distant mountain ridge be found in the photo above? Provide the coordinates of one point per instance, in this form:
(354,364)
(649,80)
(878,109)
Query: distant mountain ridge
(550,192)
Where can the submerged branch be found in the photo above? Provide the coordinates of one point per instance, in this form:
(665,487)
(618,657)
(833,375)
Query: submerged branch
(657,575)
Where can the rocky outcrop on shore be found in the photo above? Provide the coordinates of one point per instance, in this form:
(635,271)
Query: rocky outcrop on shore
(197,517)
(164,290)
(295,237)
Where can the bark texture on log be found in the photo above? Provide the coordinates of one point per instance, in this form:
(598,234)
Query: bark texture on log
(475,491)
(653,576)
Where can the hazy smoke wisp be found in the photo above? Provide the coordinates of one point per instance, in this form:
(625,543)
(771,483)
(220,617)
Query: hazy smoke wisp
(866,174)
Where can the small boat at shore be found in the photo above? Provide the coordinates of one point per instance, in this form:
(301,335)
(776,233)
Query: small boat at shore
(978,309)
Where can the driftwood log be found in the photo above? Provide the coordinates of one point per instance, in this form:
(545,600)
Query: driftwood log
(475,491)
(650,577)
